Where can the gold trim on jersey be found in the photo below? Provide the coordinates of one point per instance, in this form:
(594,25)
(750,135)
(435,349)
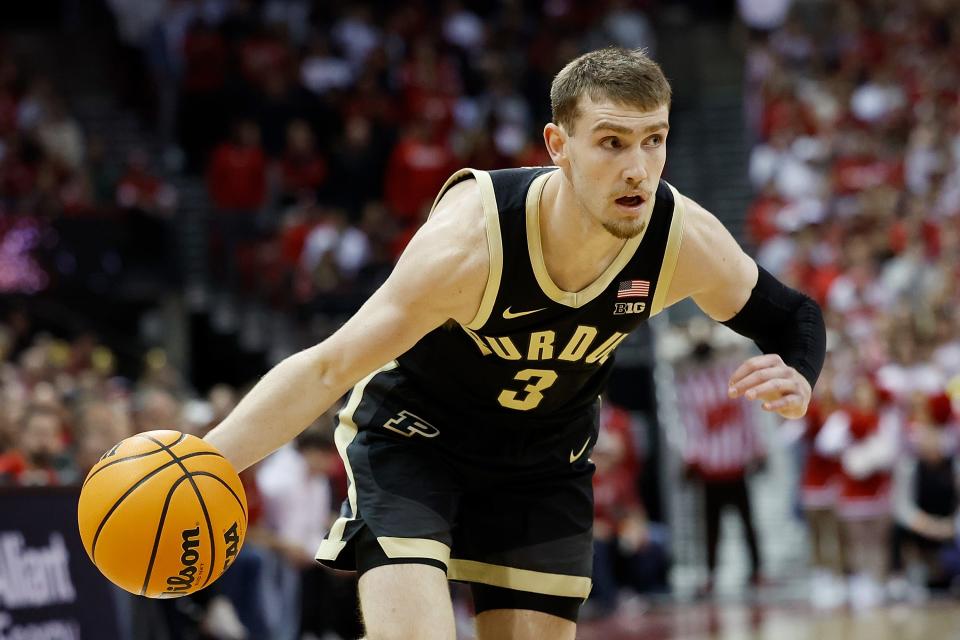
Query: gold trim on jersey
(491,216)
(535,246)
(414,548)
(488,199)
(457,177)
(670,254)
(333,543)
(551,584)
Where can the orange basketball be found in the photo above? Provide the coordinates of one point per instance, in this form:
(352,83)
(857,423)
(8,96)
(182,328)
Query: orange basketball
(163,514)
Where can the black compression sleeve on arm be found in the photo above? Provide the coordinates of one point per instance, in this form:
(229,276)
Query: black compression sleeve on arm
(786,322)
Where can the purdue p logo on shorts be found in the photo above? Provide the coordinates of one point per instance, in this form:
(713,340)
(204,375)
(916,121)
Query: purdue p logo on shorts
(408,424)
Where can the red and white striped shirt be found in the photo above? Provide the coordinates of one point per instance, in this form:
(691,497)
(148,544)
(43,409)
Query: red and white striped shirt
(722,436)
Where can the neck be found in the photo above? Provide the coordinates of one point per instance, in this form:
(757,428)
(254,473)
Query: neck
(576,247)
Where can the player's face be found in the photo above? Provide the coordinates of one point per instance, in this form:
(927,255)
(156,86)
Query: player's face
(614,160)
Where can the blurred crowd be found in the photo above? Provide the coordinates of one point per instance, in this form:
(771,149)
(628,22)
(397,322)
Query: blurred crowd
(855,114)
(63,405)
(325,132)
(55,181)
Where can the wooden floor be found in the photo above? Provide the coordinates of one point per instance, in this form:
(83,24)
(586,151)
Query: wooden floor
(934,621)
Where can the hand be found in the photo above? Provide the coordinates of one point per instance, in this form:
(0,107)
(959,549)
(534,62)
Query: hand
(781,388)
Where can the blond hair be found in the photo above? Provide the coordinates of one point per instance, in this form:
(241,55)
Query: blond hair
(624,76)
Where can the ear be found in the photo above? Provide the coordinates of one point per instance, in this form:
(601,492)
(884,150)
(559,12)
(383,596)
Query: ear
(556,138)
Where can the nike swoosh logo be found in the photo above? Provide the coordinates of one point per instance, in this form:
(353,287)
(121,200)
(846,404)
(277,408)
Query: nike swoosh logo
(507,315)
(575,456)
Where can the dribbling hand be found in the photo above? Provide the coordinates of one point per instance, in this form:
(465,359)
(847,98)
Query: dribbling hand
(767,378)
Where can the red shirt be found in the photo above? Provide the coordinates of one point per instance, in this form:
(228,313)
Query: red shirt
(614,496)
(722,438)
(819,471)
(853,174)
(415,173)
(302,172)
(237,178)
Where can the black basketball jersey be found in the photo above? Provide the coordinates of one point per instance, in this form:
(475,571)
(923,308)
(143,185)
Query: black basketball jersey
(535,354)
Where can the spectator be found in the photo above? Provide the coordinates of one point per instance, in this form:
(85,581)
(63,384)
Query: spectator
(298,488)
(237,180)
(820,487)
(864,436)
(100,425)
(625,542)
(926,501)
(156,409)
(41,458)
(302,168)
(418,166)
(723,448)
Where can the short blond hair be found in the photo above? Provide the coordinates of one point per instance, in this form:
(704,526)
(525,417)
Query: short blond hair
(624,76)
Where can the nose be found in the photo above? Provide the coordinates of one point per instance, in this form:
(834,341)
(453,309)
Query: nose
(635,172)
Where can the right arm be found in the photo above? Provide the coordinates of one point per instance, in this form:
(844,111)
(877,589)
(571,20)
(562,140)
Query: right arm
(441,276)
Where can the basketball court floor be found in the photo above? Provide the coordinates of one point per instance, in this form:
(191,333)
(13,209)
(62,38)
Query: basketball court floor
(934,621)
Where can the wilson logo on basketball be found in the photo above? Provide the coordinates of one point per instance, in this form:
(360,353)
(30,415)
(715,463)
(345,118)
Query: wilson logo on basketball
(232,539)
(185,579)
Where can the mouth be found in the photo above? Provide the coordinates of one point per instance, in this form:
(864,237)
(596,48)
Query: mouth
(630,202)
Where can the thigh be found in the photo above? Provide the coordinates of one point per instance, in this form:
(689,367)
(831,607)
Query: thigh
(533,535)
(519,624)
(406,601)
(402,491)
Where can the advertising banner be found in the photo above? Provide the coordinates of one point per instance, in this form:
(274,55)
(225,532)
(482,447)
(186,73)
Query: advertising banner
(49,589)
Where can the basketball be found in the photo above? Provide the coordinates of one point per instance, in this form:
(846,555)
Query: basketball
(163,514)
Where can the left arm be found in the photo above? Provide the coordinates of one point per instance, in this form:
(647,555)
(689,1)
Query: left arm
(729,287)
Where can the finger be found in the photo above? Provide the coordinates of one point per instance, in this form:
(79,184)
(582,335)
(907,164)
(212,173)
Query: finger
(789,400)
(771,389)
(754,364)
(757,377)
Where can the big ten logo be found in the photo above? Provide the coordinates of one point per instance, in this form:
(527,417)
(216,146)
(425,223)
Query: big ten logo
(624,308)
(184,580)
(231,540)
(408,424)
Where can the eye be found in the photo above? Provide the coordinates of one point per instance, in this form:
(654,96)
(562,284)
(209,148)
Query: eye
(611,142)
(655,140)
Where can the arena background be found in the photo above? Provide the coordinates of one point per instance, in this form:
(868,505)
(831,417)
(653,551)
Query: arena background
(192,190)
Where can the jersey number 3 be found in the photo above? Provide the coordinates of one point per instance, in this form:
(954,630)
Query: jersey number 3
(530,396)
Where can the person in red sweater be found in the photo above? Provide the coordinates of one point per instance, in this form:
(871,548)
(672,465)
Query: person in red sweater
(417,168)
(237,182)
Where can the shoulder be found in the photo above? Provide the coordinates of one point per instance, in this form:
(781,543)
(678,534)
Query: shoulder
(700,227)
(457,225)
(447,260)
(711,267)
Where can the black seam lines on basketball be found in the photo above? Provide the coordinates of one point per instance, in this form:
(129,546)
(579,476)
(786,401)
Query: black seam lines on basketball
(137,457)
(203,506)
(156,540)
(229,488)
(96,536)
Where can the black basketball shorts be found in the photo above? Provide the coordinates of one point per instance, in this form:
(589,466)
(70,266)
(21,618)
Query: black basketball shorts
(505,508)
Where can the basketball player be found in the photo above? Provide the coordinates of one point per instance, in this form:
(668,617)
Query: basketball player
(467,446)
